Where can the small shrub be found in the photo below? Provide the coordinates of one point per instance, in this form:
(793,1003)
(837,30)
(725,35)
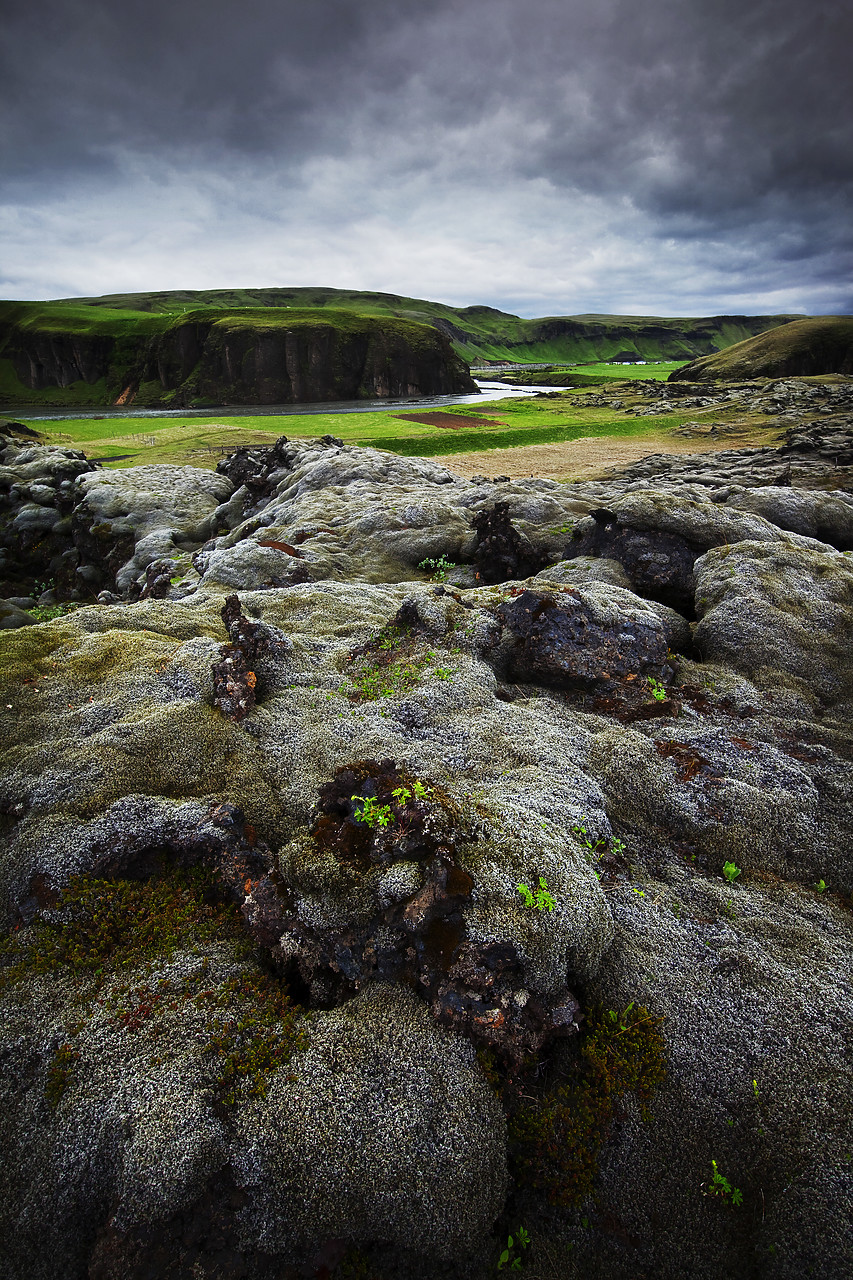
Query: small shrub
(731,872)
(657,690)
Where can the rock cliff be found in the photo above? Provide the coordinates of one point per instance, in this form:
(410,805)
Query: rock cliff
(246,357)
(359,911)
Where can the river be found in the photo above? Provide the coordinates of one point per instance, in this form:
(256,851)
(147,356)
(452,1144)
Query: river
(489,390)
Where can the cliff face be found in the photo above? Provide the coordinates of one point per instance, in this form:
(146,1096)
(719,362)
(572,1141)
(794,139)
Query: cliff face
(242,359)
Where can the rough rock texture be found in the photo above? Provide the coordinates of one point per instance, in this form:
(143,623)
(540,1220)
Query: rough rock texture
(290,959)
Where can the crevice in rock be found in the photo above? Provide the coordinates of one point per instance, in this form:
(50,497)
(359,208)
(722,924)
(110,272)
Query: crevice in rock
(374,816)
(235,682)
(502,552)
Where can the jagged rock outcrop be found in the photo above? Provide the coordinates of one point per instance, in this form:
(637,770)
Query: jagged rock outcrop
(452,902)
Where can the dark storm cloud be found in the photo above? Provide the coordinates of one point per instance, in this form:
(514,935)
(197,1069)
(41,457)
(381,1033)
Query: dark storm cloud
(719,125)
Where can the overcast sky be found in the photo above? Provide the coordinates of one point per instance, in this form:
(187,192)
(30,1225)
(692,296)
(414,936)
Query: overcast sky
(666,157)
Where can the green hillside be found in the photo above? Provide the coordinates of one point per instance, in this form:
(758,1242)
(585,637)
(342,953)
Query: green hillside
(811,347)
(477,332)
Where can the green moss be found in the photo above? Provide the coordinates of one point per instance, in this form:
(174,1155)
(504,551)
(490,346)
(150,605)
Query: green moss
(388,667)
(102,925)
(59,1073)
(555,1143)
(248,1048)
(26,651)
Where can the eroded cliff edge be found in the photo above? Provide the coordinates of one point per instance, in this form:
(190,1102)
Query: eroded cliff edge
(242,357)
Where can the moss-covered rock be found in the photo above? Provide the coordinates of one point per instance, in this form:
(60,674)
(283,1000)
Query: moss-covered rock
(280,970)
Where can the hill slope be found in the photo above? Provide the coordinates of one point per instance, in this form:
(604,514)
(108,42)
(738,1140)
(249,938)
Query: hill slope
(818,345)
(477,332)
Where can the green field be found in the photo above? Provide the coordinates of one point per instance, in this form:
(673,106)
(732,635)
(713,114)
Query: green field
(589,375)
(496,424)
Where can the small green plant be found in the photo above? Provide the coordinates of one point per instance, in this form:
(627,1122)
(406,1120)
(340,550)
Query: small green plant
(820,887)
(372,813)
(47,612)
(402,794)
(438,566)
(39,588)
(597,849)
(657,690)
(539,898)
(731,872)
(388,668)
(722,1189)
(512,1254)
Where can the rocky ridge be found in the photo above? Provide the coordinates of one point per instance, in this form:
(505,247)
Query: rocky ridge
(361,1043)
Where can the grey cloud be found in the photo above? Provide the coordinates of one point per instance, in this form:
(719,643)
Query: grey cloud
(719,124)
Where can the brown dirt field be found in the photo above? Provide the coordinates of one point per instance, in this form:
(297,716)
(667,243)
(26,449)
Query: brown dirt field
(452,420)
(587,459)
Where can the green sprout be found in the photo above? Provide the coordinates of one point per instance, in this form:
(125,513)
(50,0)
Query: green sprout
(731,872)
(509,1258)
(820,887)
(657,689)
(402,794)
(539,898)
(372,813)
(723,1189)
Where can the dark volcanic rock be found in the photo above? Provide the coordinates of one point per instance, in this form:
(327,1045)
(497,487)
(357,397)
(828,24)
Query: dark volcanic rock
(563,640)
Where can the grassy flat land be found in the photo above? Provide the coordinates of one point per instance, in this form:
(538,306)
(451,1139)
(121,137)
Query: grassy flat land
(589,375)
(486,425)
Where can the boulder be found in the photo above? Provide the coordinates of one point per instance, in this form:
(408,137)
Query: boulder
(780,614)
